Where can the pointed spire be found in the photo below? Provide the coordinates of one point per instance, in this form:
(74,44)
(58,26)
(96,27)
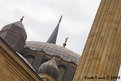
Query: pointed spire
(53,37)
(60,19)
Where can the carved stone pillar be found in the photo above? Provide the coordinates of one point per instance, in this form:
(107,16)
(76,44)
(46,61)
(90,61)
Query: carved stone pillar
(101,57)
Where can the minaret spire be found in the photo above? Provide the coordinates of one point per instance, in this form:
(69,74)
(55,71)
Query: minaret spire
(53,37)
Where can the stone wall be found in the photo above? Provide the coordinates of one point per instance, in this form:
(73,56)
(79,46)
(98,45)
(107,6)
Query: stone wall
(12,67)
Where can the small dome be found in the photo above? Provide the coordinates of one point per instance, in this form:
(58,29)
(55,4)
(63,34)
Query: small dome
(54,50)
(17,27)
(14,35)
(50,67)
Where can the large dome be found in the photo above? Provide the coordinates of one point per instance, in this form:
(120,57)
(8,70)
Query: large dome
(55,50)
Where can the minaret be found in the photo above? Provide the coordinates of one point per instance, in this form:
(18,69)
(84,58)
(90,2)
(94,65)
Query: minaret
(101,58)
(53,37)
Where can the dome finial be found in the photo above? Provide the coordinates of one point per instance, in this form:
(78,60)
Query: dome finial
(22,18)
(64,44)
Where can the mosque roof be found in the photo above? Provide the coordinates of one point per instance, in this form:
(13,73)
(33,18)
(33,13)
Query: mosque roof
(53,49)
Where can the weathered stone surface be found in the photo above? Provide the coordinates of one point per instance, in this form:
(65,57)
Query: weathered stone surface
(102,53)
(12,67)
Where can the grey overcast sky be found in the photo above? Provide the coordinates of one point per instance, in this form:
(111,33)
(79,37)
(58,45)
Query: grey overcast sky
(41,17)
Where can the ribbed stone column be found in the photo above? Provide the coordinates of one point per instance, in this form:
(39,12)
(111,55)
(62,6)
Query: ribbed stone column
(101,57)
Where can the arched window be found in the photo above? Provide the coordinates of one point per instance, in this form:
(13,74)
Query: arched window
(30,58)
(62,70)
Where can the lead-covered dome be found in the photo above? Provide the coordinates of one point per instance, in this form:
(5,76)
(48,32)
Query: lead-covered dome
(50,67)
(17,27)
(14,35)
(56,50)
